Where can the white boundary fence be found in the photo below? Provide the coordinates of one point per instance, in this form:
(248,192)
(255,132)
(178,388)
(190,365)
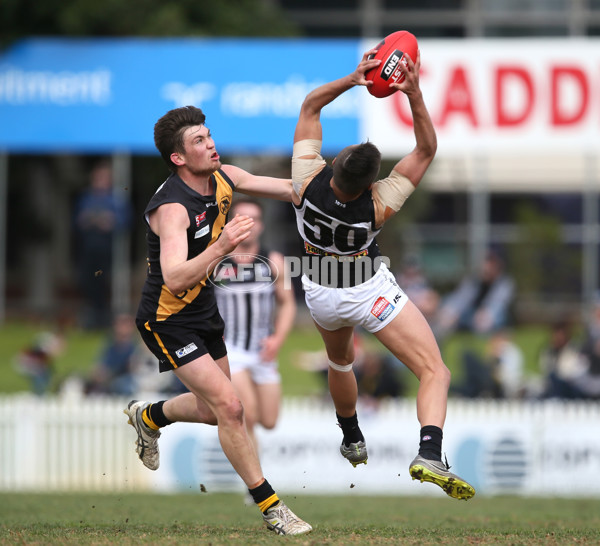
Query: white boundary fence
(547,448)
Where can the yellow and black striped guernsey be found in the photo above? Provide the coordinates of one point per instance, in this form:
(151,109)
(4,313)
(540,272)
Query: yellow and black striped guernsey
(207,214)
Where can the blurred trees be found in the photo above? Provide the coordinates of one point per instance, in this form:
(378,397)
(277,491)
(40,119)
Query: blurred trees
(110,18)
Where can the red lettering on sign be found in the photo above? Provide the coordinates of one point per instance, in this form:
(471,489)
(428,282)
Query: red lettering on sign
(458,98)
(562,74)
(521,77)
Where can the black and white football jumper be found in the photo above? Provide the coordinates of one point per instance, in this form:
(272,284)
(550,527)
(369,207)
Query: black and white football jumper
(246,299)
(332,230)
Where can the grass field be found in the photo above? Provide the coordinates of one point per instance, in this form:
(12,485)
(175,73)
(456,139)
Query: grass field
(223,519)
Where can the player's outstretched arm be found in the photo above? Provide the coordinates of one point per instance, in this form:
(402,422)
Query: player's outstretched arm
(309,120)
(414,165)
(390,193)
(259,186)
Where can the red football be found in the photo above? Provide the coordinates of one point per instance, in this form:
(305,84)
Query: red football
(391,51)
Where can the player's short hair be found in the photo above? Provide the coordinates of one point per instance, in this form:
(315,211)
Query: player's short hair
(246,199)
(169,129)
(356,168)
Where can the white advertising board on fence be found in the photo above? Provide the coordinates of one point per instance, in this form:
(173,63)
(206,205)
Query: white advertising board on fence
(520,95)
(532,449)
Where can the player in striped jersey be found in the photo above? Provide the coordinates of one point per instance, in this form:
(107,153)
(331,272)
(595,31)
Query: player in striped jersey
(258,310)
(339,211)
(178,319)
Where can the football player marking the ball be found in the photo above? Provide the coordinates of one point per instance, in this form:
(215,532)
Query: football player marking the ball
(178,319)
(340,209)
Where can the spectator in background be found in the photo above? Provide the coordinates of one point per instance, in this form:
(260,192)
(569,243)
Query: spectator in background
(481,303)
(589,382)
(114,373)
(416,286)
(562,363)
(496,374)
(36,361)
(100,215)
(378,375)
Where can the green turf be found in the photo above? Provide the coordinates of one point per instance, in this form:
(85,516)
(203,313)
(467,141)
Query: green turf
(82,348)
(352,519)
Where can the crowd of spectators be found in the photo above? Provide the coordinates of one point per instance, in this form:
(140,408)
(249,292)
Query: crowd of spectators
(567,365)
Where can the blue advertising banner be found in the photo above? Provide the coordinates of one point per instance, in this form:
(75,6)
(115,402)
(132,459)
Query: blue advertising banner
(104,95)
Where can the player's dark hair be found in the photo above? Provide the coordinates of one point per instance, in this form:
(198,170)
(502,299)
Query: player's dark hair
(247,199)
(356,168)
(169,129)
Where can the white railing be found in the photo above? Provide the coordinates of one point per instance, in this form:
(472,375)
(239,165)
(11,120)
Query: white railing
(528,448)
(67,444)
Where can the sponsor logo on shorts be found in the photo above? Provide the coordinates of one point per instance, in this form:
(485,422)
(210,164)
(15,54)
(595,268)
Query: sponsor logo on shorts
(202,232)
(185,350)
(382,308)
(397,297)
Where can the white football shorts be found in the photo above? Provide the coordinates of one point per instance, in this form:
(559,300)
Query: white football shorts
(372,304)
(261,372)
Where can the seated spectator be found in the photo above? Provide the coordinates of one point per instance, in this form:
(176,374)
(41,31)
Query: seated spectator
(496,374)
(114,372)
(37,360)
(562,363)
(416,286)
(378,375)
(481,303)
(589,383)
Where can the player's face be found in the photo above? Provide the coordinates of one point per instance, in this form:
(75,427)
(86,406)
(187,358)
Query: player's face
(254,212)
(200,156)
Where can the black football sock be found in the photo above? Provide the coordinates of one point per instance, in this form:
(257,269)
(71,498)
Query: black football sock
(430,446)
(351,430)
(264,496)
(154,417)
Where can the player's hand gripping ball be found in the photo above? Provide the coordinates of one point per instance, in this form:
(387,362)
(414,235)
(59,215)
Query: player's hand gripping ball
(392,51)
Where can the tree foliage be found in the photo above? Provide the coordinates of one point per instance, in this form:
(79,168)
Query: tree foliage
(111,18)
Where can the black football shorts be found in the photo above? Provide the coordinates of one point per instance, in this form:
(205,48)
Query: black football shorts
(176,344)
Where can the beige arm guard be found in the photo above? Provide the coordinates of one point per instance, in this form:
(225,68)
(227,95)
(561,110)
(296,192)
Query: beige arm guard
(389,194)
(304,170)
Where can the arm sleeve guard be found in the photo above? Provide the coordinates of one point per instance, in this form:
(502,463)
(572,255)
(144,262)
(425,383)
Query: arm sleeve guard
(389,194)
(304,170)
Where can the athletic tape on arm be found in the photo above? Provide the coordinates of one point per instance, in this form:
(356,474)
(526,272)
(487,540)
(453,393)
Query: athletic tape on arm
(304,170)
(391,192)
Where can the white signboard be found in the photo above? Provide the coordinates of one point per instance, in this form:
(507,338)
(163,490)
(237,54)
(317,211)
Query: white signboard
(518,95)
(501,448)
